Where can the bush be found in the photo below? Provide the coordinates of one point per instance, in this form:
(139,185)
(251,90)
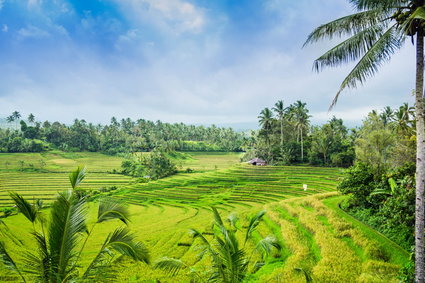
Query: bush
(358,180)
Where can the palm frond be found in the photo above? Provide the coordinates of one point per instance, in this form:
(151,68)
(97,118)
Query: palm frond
(233,220)
(349,50)
(308,278)
(170,265)
(266,245)
(377,4)
(9,262)
(217,217)
(347,26)
(39,264)
(368,65)
(77,176)
(27,209)
(418,14)
(253,223)
(111,209)
(67,223)
(122,241)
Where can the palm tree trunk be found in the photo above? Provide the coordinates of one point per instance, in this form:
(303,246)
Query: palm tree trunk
(420,161)
(302,147)
(281,134)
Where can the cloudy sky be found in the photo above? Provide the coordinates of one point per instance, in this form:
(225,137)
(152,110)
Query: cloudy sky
(192,61)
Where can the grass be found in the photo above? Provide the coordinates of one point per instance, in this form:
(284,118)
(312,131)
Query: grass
(315,234)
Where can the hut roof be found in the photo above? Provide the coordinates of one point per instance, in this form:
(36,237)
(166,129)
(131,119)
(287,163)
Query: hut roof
(256,160)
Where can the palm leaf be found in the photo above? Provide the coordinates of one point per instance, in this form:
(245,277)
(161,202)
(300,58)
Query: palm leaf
(368,65)
(27,209)
(377,4)
(110,209)
(9,262)
(170,265)
(77,176)
(67,223)
(265,246)
(253,223)
(349,50)
(122,241)
(347,26)
(39,264)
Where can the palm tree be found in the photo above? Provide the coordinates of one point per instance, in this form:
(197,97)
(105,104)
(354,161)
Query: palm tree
(299,116)
(10,119)
(387,115)
(375,32)
(230,260)
(403,118)
(59,243)
(31,118)
(16,116)
(280,110)
(266,122)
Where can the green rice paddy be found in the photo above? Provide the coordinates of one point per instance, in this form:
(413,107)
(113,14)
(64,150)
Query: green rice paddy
(315,234)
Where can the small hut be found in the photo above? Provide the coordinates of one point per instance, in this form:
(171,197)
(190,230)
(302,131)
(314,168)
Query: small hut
(257,161)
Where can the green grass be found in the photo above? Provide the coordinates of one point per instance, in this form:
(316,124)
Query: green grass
(315,234)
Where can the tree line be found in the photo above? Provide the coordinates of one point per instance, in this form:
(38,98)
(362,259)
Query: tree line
(287,137)
(125,135)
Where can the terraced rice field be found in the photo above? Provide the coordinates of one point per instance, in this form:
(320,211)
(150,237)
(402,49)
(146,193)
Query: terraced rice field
(239,184)
(46,185)
(42,175)
(314,233)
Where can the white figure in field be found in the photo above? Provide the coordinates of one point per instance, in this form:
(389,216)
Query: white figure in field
(305,187)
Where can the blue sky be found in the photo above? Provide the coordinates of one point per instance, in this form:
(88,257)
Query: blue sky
(199,62)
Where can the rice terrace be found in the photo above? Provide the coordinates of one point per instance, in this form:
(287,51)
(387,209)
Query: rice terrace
(313,232)
(194,141)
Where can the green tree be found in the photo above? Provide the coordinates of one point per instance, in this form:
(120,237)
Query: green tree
(31,118)
(375,32)
(299,115)
(60,241)
(280,110)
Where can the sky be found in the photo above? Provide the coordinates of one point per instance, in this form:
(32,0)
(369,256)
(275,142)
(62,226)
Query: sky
(193,61)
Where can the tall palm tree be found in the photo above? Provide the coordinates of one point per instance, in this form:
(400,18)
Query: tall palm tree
(376,31)
(299,116)
(16,116)
(280,110)
(31,118)
(266,122)
(59,243)
(387,115)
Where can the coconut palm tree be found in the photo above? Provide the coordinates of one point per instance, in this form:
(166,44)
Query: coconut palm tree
(298,113)
(387,115)
(59,242)
(230,259)
(31,118)
(266,121)
(16,116)
(280,110)
(375,32)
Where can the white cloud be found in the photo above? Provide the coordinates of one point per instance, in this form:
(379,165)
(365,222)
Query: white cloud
(33,31)
(175,15)
(5,28)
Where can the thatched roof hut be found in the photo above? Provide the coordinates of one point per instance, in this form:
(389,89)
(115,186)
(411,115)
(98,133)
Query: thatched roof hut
(257,161)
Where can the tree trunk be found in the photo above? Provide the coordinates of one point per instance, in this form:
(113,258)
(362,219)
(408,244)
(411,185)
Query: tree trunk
(302,148)
(281,134)
(420,160)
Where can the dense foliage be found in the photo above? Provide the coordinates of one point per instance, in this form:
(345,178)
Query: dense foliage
(153,166)
(123,136)
(288,138)
(381,183)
